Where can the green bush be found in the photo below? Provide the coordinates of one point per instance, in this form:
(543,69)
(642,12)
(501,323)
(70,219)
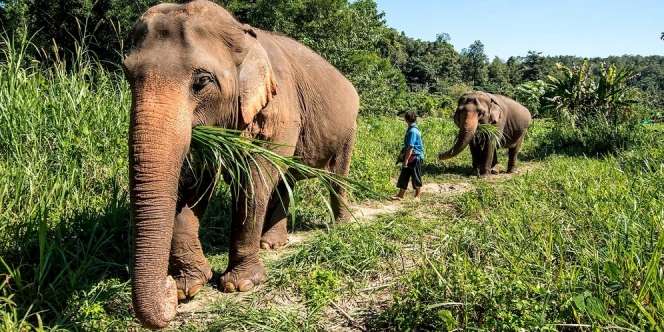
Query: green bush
(596,113)
(529,94)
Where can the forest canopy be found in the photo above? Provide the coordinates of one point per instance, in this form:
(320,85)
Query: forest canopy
(393,72)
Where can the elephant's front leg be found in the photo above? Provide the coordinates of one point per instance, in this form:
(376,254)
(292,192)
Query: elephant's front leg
(476,155)
(245,269)
(187,263)
(486,164)
(494,169)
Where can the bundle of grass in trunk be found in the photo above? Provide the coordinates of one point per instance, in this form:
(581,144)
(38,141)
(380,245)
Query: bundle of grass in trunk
(225,152)
(488,133)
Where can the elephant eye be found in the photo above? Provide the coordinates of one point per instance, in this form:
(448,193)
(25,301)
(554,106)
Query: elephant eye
(201,80)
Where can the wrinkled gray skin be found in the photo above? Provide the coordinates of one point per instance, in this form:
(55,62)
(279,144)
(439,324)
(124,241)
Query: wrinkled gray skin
(511,118)
(194,64)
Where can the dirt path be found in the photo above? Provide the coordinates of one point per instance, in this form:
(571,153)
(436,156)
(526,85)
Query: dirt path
(344,313)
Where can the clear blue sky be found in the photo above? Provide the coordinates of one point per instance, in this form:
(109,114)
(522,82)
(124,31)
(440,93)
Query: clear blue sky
(585,28)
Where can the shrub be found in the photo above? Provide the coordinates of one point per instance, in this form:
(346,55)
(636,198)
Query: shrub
(594,112)
(529,94)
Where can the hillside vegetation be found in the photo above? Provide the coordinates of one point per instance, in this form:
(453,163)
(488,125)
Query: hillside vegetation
(393,72)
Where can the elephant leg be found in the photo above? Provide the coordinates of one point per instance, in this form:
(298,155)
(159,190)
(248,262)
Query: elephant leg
(494,170)
(513,153)
(476,154)
(245,270)
(340,165)
(187,263)
(488,152)
(275,230)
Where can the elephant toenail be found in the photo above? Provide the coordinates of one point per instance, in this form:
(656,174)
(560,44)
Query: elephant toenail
(194,290)
(181,295)
(245,285)
(229,287)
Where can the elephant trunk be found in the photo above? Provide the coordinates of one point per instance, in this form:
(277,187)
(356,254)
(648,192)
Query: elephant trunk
(158,140)
(466,133)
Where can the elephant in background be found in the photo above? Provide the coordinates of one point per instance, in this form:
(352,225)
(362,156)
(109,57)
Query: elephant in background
(194,64)
(511,119)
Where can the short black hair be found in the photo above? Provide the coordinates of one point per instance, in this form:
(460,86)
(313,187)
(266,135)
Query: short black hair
(410,116)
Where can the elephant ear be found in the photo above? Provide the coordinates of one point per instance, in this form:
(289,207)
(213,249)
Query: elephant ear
(495,112)
(255,79)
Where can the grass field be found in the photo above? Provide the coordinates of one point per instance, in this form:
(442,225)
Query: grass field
(570,242)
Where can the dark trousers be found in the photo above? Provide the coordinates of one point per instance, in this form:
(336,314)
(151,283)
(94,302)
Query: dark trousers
(413,173)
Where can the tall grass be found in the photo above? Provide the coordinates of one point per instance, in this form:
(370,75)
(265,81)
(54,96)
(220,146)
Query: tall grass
(62,178)
(576,244)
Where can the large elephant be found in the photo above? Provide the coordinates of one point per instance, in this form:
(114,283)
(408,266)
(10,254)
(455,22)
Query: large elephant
(511,118)
(194,64)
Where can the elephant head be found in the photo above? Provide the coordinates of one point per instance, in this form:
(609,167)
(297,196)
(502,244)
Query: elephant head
(191,64)
(473,109)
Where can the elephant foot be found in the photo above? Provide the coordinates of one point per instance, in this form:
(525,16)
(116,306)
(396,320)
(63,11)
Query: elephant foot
(512,170)
(494,171)
(242,277)
(191,280)
(274,238)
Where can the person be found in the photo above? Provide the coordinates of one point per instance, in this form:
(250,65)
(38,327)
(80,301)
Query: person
(411,157)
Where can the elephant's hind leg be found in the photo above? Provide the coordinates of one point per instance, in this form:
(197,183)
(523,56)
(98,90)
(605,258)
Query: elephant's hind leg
(340,165)
(187,263)
(275,230)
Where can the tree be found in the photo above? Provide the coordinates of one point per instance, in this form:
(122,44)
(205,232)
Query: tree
(448,62)
(431,66)
(533,66)
(392,46)
(337,29)
(498,72)
(474,64)
(514,73)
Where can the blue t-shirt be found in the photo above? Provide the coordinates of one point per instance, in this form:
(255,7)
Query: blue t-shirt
(414,139)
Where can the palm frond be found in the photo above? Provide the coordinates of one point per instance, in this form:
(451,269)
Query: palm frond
(225,152)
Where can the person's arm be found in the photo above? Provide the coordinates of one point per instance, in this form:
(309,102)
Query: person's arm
(407,155)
